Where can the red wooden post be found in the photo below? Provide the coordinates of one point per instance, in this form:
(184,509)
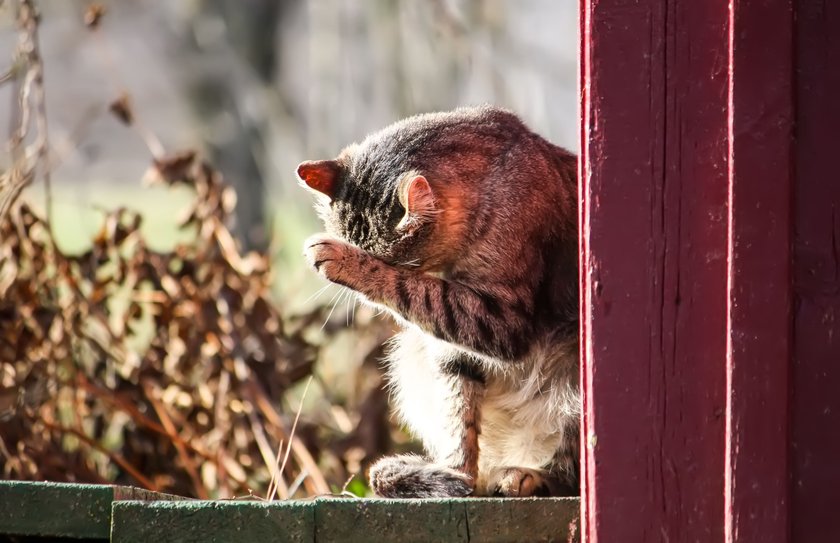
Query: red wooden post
(815,394)
(654,230)
(710,257)
(760,324)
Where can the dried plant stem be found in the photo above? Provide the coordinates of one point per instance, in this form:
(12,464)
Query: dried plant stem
(302,455)
(115,458)
(292,435)
(276,476)
(31,95)
(269,458)
(139,418)
(151,394)
(195,325)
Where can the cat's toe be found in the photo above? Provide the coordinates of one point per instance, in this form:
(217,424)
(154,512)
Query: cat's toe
(522,483)
(412,477)
(328,255)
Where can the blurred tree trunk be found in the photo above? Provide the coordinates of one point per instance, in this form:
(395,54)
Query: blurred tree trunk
(235,42)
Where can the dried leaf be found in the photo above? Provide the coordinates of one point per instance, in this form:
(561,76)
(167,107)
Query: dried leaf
(175,167)
(121,108)
(93,15)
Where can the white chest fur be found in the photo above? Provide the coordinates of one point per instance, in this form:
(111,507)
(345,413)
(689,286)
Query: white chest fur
(528,409)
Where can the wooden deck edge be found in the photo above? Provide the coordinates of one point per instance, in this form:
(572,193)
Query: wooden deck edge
(335,519)
(63,510)
(125,514)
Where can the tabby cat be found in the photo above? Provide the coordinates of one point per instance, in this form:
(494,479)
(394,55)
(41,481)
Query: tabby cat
(464,226)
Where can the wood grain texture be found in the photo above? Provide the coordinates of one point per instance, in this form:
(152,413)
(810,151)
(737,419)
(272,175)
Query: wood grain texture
(587,498)
(760,262)
(54,510)
(205,521)
(654,228)
(368,521)
(815,431)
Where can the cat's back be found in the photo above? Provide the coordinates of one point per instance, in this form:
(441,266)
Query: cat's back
(463,145)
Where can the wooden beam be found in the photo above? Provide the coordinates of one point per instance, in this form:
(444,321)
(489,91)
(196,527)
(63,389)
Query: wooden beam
(122,514)
(370,520)
(815,395)
(654,232)
(63,510)
(761,169)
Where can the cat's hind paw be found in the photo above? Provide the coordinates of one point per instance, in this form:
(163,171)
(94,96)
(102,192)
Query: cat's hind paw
(410,476)
(525,483)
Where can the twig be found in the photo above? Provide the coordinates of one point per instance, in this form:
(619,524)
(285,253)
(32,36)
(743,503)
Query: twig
(269,459)
(297,482)
(303,456)
(7,75)
(115,457)
(139,418)
(189,465)
(30,94)
(292,432)
(35,76)
(276,477)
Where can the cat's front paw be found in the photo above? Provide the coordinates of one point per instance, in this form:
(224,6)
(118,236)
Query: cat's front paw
(331,257)
(410,476)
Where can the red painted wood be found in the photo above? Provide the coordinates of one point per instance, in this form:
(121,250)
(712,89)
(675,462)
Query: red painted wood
(583,166)
(758,361)
(654,231)
(815,438)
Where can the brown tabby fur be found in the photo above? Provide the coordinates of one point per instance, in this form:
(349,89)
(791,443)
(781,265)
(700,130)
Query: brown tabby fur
(464,225)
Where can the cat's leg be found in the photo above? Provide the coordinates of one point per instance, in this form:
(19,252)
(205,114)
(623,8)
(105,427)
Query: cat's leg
(495,320)
(467,384)
(452,467)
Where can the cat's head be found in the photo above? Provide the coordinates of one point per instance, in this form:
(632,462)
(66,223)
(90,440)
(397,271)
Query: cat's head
(386,211)
(408,193)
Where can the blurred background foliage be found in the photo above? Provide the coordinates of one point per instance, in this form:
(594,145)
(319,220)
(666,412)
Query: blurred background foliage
(162,334)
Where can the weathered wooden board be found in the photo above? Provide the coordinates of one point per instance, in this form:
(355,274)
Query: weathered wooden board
(484,520)
(760,261)
(373,520)
(120,514)
(213,521)
(654,183)
(815,391)
(691,109)
(62,509)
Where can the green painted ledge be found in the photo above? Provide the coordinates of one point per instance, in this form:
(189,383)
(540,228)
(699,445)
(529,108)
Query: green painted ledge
(50,511)
(63,510)
(334,519)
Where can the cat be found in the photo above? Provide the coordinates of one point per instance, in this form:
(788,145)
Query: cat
(463,225)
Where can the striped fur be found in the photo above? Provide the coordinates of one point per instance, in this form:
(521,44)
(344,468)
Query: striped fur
(484,282)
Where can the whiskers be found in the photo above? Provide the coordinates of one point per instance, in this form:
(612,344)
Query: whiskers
(350,310)
(410,263)
(317,293)
(343,296)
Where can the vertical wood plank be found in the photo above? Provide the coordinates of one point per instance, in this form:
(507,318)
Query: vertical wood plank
(815,437)
(583,169)
(654,237)
(760,289)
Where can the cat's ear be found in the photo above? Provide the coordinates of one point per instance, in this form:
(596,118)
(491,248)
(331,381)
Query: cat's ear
(320,175)
(418,199)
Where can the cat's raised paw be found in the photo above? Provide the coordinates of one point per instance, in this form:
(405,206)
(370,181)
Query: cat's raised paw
(329,255)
